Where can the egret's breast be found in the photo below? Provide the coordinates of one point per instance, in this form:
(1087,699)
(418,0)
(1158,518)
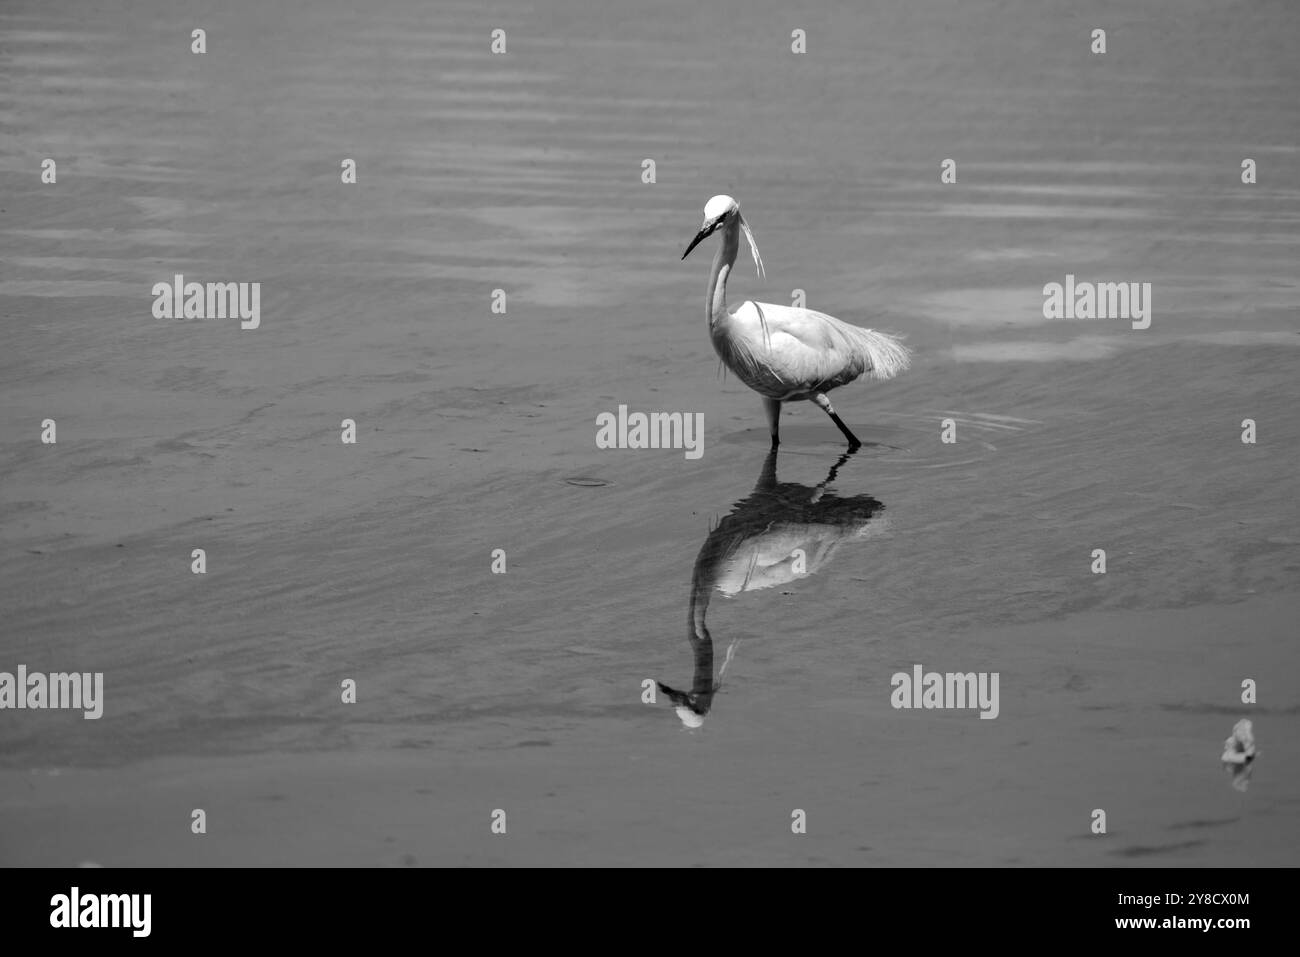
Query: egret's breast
(747,348)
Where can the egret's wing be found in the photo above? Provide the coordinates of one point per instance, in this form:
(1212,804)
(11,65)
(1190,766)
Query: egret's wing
(802,348)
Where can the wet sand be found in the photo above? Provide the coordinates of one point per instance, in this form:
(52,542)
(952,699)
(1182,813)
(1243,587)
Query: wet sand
(523,691)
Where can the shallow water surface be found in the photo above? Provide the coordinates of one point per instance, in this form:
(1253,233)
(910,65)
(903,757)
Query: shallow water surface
(524,691)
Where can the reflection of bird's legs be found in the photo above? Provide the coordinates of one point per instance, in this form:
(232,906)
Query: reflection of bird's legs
(773,409)
(825,403)
(830,476)
(767,475)
(835,469)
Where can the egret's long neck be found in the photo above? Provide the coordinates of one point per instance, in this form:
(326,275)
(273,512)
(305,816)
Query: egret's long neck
(722,263)
(703,577)
(701,641)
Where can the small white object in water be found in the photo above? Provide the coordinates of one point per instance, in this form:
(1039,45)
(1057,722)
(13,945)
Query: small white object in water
(1239,753)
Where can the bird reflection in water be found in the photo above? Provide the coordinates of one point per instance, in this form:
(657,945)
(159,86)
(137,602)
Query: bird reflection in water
(781,532)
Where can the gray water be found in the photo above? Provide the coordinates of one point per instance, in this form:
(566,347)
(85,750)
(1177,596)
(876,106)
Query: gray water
(523,691)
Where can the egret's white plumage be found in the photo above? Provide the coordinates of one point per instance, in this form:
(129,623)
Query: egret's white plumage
(783,353)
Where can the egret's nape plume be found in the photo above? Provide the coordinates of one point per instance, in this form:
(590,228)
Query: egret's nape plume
(753,247)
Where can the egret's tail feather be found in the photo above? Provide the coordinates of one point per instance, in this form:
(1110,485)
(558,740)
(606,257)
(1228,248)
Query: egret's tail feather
(885,354)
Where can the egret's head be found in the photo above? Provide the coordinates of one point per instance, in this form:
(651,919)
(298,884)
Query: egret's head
(718,212)
(691,708)
(690,719)
(718,207)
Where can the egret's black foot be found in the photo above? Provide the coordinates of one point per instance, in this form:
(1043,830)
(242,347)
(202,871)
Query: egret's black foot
(854,443)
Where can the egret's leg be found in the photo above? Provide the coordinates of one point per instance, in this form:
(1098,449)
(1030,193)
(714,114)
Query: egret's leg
(825,403)
(767,477)
(773,409)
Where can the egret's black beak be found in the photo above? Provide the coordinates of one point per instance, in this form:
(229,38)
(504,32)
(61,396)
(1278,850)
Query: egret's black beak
(703,234)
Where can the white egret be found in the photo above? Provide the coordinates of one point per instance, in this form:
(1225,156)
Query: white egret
(783,353)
